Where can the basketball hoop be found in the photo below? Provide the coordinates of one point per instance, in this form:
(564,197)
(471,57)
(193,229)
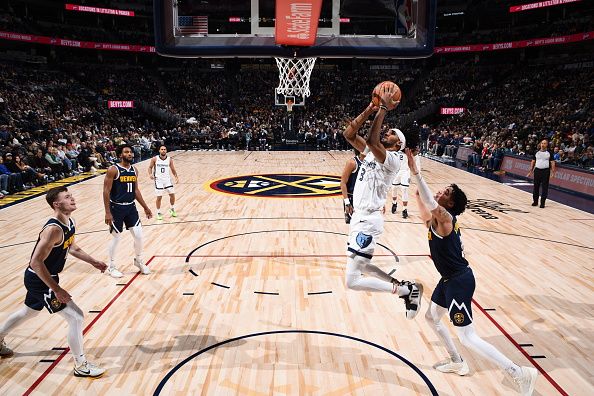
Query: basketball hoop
(294,74)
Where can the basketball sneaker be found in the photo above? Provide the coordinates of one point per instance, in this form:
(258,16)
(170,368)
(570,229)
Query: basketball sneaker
(143,268)
(527,380)
(449,366)
(5,352)
(172,212)
(412,301)
(394,207)
(113,272)
(405,214)
(159,216)
(88,370)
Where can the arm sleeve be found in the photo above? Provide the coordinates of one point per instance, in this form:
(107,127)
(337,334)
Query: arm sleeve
(425,193)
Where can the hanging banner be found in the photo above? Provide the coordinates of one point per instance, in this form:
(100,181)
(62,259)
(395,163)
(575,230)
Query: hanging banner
(297,22)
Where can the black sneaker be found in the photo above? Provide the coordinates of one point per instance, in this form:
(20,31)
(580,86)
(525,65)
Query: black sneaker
(534,203)
(394,207)
(412,301)
(404,213)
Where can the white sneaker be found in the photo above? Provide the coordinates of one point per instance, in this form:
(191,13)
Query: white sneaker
(113,272)
(88,370)
(449,366)
(143,268)
(412,301)
(5,352)
(527,380)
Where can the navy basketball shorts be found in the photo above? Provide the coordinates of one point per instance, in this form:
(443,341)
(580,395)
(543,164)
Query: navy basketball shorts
(455,294)
(123,215)
(39,295)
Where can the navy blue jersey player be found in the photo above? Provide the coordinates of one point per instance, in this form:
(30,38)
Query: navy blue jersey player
(55,241)
(453,293)
(347,183)
(120,190)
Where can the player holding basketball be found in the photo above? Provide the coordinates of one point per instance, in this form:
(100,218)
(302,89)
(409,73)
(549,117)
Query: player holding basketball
(55,241)
(453,293)
(120,189)
(160,170)
(402,183)
(369,197)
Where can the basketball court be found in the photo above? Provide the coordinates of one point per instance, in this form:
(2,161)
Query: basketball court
(247,293)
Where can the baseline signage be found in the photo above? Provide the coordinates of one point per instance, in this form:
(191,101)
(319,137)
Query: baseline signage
(567,178)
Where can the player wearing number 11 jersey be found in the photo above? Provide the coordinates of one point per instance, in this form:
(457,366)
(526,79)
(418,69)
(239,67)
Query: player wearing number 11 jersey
(120,190)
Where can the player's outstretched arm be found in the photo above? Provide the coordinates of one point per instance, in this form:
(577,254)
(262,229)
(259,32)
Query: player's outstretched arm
(107,184)
(439,214)
(350,133)
(373,140)
(80,254)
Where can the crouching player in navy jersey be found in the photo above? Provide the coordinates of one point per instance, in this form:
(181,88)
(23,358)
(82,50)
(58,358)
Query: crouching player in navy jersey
(55,241)
(453,293)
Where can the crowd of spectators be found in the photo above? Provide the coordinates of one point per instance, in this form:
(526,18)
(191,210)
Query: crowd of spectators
(54,122)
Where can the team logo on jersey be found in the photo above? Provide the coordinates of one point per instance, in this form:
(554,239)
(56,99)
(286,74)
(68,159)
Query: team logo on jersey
(363,240)
(280,185)
(55,303)
(459,318)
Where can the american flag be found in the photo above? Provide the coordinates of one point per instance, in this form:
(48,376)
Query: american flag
(192,24)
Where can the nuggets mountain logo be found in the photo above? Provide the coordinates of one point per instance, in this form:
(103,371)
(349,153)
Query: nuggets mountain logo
(279,185)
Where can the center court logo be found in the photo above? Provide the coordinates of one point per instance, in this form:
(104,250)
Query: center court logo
(280,185)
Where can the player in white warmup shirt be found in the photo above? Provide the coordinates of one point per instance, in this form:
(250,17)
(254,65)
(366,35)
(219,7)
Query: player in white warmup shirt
(160,170)
(402,182)
(377,172)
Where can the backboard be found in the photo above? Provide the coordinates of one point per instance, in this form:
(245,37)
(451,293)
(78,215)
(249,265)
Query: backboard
(246,28)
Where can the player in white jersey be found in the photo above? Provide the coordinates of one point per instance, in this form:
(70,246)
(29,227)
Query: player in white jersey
(160,170)
(402,182)
(377,171)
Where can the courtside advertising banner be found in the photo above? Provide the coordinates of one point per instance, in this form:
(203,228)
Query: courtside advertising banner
(567,178)
(297,22)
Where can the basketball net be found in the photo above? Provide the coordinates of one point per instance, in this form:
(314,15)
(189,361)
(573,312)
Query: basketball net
(294,75)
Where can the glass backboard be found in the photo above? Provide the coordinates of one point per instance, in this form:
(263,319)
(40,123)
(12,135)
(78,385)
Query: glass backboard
(246,28)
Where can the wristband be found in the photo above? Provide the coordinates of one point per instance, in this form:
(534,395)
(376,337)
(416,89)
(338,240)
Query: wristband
(347,202)
(384,107)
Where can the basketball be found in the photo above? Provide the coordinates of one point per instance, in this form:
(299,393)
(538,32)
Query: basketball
(375,95)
